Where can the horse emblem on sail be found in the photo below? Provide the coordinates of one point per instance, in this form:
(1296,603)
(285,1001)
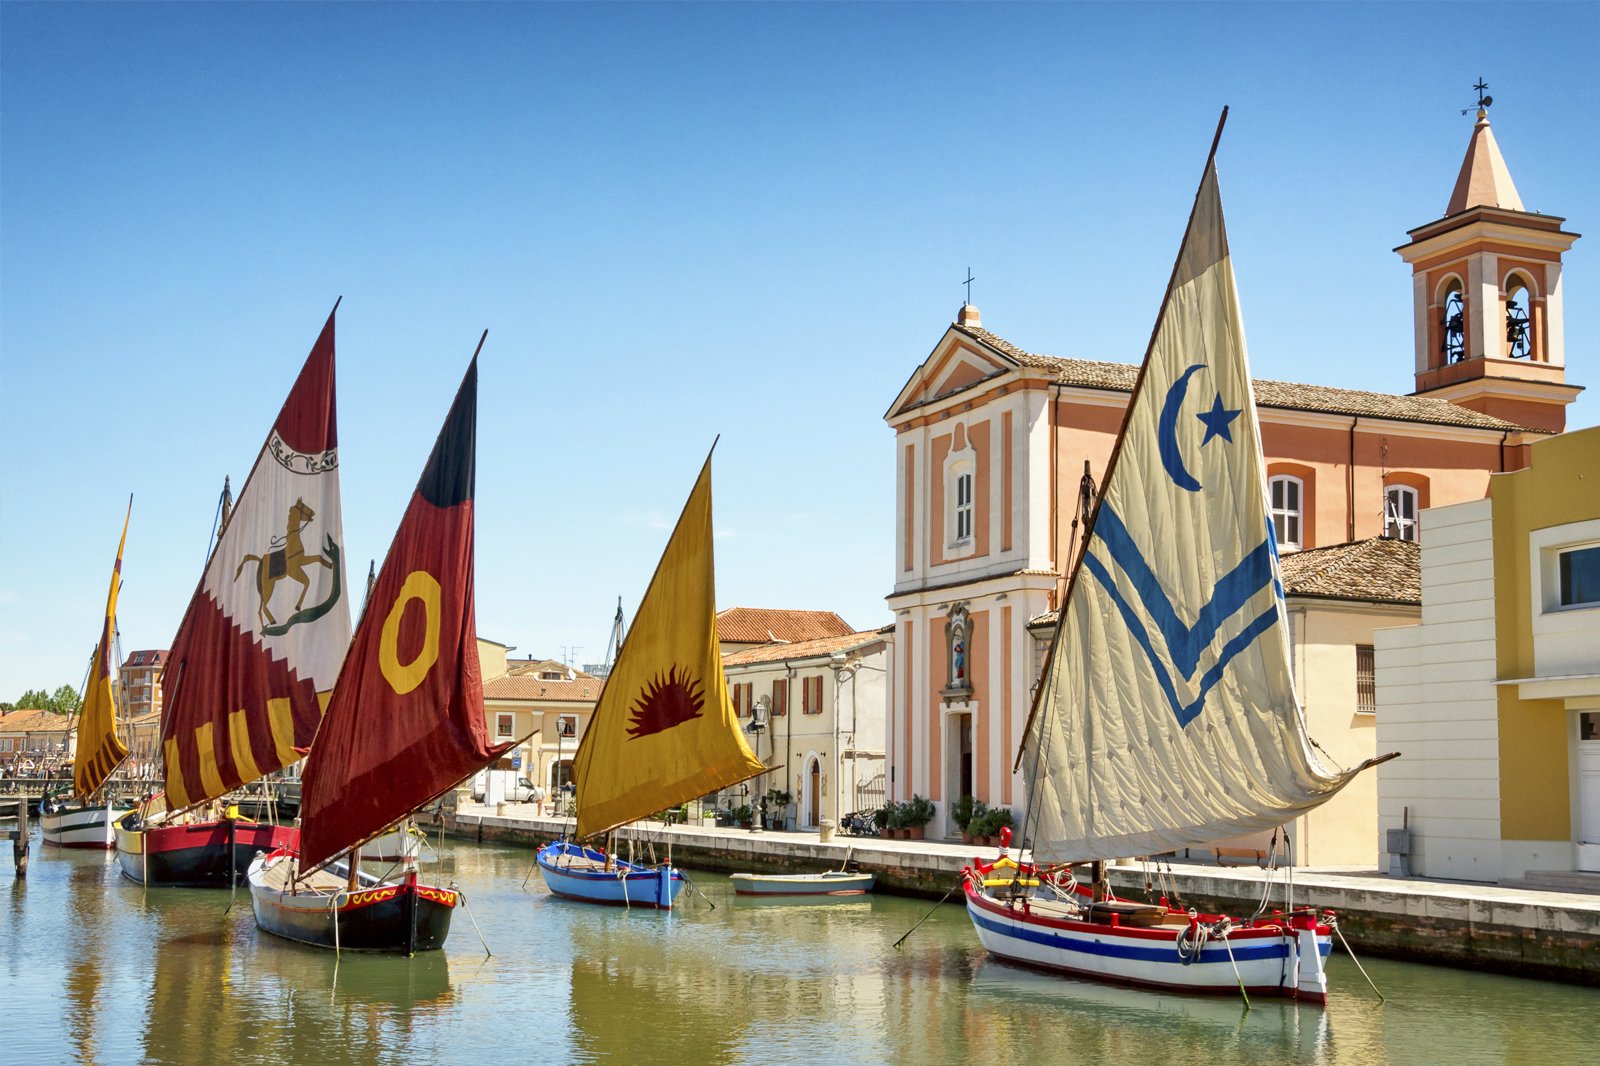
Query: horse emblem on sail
(289,559)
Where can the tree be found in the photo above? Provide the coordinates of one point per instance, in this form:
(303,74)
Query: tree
(63,701)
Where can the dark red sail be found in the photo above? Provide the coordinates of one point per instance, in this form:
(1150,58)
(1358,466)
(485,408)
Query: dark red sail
(406,719)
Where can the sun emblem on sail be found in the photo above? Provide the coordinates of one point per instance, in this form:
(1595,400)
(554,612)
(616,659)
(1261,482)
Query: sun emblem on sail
(667,701)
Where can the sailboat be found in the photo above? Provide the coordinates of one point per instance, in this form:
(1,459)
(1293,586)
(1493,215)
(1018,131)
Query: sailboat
(87,821)
(405,724)
(664,730)
(1167,713)
(256,654)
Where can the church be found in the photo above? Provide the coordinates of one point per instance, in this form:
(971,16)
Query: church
(997,450)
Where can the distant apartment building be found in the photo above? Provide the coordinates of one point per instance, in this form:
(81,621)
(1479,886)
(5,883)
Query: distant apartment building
(140,691)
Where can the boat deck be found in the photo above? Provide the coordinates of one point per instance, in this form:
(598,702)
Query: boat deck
(276,877)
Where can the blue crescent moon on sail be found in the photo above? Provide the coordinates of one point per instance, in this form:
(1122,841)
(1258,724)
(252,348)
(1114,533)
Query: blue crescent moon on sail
(1166,435)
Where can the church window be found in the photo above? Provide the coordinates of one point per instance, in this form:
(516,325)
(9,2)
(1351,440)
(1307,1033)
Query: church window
(1400,513)
(1287,493)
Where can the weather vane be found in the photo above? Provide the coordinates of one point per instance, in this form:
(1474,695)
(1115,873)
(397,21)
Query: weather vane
(968,284)
(1484,100)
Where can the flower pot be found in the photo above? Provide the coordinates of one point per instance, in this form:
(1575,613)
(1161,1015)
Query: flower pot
(914,832)
(966,837)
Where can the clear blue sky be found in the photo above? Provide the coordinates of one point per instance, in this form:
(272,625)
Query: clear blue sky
(677,221)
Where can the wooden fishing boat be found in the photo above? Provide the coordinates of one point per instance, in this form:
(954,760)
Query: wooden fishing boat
(664,730)
(65,824)
(395,736)
(1166,715)
(85,819)
(195,850)
(257,651)
(576,872)
(825,884)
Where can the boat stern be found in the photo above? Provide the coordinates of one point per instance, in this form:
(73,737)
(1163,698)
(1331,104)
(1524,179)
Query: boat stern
(1313,941)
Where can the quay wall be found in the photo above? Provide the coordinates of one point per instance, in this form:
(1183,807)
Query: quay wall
(1528,933)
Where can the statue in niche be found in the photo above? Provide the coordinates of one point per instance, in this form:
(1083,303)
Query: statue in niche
(957,631)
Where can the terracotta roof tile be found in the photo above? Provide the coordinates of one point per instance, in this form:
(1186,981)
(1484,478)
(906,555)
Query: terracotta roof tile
(753,625)
(1379,569)
(528,687)
(33,720)
(801,649)
(1119,377)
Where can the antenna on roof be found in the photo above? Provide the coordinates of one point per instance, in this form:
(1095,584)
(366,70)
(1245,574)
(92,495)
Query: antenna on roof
(1484,100)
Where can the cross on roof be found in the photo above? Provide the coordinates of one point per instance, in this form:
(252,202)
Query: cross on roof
(968,284)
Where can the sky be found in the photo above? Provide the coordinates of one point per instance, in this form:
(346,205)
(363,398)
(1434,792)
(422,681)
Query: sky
(677,221)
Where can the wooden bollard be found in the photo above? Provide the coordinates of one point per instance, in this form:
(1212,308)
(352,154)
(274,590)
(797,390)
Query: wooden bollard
(19,838)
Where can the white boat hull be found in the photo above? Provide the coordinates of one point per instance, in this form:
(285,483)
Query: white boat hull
(826,884)
(1264,960)
(82,827)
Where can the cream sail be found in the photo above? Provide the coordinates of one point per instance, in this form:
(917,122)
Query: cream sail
(1167,716)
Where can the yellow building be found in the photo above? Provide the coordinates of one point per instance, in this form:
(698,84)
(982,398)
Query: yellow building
(1494,700)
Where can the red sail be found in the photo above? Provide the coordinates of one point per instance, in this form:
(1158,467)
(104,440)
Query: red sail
(406,719)
(261,642)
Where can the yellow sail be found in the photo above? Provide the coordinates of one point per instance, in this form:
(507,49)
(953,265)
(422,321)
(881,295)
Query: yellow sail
(100,750)
(664,730)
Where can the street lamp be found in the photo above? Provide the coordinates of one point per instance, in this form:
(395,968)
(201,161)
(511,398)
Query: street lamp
(758,723)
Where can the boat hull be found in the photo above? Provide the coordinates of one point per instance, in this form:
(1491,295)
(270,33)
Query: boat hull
(213,854)
(828,884)
(396,917)
(81,827)
(574,872)
(1283,957)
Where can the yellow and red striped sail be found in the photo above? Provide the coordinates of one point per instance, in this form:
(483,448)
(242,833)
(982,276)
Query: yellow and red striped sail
(100,750)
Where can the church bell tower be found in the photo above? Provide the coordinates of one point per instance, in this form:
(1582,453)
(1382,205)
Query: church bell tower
(1487,294)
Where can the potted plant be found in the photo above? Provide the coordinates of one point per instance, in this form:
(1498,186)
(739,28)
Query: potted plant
(880,820)
(777,808)
(918,813)
(896,819)
(962,813)
(743,815)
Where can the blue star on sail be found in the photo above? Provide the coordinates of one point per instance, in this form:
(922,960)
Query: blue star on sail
(1217,422)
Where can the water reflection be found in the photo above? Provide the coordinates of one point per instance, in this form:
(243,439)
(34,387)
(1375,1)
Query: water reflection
(98,970)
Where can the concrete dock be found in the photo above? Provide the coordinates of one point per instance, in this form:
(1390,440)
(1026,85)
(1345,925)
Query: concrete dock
(1554,935)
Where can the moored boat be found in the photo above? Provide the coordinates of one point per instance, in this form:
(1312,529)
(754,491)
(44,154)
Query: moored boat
(1166,715)
(576,872)
(380,915)
(64,824)
(194,850)
(828,883)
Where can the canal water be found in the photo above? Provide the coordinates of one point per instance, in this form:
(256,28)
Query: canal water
(94,969)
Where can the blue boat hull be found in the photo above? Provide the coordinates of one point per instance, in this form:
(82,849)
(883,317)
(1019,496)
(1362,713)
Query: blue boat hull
(575,872)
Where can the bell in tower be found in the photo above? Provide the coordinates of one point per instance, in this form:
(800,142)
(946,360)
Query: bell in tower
(1487,296)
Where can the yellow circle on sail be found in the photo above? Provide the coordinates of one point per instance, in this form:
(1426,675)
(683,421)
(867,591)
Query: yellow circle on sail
(403,677)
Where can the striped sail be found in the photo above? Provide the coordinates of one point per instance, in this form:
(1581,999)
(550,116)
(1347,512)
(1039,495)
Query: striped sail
(100,749)
(1167,716)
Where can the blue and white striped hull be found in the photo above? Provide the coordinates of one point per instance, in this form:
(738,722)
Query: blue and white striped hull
(1269,960)
(575,872)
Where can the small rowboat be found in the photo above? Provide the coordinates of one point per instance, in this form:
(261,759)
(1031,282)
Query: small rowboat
(827,883)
